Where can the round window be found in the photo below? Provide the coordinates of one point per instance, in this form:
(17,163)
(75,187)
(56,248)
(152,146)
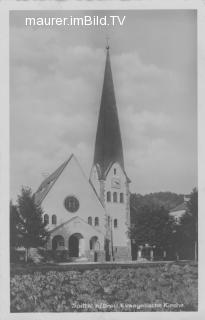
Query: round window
(71,204)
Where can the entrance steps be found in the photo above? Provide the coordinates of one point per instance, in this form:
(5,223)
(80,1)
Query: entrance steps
(79,259)
(35,256)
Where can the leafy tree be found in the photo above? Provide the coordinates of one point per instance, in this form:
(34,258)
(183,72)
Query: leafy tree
(168,200)
(32,229)
(152,225)
(189,224)
(14,222)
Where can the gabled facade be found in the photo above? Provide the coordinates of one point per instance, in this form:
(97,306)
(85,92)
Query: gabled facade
(75,216)
(90,219)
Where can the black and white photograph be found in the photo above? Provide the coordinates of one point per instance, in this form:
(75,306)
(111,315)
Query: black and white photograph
(103,161)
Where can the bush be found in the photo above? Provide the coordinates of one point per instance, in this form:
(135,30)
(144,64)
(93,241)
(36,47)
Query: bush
(152,288)
(17,255)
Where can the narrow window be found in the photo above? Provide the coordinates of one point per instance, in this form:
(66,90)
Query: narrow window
(46,218)
(121,197)
(90,220)
(54,219)
(115,223)
(91,244)
(96,221)
(108,221)
(114,196)
(108,196)
(115,171)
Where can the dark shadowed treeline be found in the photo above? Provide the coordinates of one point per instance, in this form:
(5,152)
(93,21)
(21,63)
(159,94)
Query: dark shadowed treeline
(154,230)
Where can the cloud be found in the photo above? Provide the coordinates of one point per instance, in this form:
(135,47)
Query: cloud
(55,98)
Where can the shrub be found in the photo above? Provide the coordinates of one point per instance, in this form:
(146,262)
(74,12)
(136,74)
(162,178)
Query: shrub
(152,288)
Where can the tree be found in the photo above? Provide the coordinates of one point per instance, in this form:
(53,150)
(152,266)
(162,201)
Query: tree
(189,224)
(152,225)
(168,200)
(32,229)
(14,231)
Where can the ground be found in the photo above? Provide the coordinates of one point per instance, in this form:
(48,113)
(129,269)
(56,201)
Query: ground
(147,287)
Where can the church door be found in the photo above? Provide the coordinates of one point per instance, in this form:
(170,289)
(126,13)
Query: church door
(73,246)
(107,250)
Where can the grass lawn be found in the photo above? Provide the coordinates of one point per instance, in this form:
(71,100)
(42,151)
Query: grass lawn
(166,287)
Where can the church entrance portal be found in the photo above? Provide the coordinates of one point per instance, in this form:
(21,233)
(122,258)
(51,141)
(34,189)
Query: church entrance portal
(75,245)
(58,243)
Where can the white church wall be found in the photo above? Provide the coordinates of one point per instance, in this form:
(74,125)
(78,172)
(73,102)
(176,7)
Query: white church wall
(94,180)
(116,182)
(73,182)
(77,226)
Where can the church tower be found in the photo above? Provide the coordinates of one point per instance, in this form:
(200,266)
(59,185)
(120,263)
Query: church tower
(108,175)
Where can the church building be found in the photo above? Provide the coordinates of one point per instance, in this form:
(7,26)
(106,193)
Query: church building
(90,219)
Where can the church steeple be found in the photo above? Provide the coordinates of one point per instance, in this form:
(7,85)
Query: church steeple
(108,143)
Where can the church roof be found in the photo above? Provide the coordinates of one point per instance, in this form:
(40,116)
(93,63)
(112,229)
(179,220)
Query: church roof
(71,219)
(47,184)
(180,207)
(108,143)
(110,166)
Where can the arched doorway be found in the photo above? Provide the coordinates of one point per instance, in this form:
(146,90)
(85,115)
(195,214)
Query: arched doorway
(94,243)
(58,243)
(95,247)
(75,245)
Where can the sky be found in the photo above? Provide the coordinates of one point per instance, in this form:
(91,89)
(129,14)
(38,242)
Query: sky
(56,77)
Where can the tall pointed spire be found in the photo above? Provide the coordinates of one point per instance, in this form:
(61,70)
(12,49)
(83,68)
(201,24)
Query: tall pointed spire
(108,144)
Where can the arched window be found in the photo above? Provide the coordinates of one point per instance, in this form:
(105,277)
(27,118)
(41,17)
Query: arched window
(90,220)
(108,196)
(115,223)
(94,243)
(96,221)
(46,218)
(121,197)
(58,242)
(54,219)
(115,171)
(108,221)
(114,196)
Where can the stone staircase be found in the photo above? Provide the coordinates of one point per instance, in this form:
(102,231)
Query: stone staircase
(35,256)
(79,259)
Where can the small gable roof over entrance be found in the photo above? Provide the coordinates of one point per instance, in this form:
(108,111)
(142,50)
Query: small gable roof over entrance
(81,222)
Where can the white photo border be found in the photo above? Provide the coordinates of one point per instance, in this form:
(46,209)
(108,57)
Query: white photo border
(5,7)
